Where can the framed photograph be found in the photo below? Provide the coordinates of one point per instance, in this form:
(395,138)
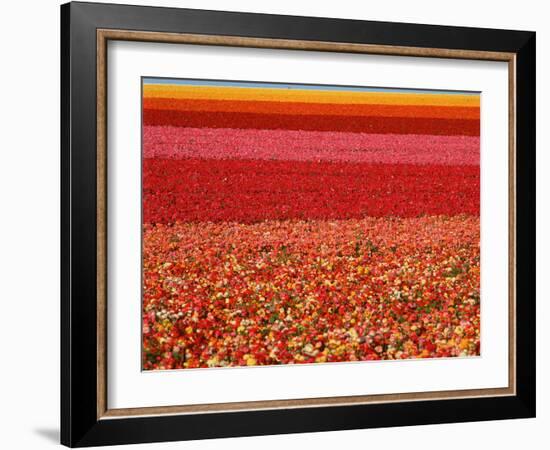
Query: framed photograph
(276,224)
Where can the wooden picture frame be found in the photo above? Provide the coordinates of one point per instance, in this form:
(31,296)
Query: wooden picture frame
(86,419)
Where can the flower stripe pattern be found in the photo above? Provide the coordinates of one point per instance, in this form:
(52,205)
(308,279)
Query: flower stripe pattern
(289,224)
(166,142)
(224,190)
(355,124)
(331,109)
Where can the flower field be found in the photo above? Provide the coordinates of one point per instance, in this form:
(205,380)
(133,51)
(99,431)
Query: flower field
(299,225)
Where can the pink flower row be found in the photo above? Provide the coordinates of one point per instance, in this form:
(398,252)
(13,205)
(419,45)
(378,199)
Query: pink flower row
(290,145)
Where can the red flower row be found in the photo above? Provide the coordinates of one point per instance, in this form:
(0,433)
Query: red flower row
(355,124)
(252,191)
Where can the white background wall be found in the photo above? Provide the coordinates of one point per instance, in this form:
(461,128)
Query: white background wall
(29,223)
